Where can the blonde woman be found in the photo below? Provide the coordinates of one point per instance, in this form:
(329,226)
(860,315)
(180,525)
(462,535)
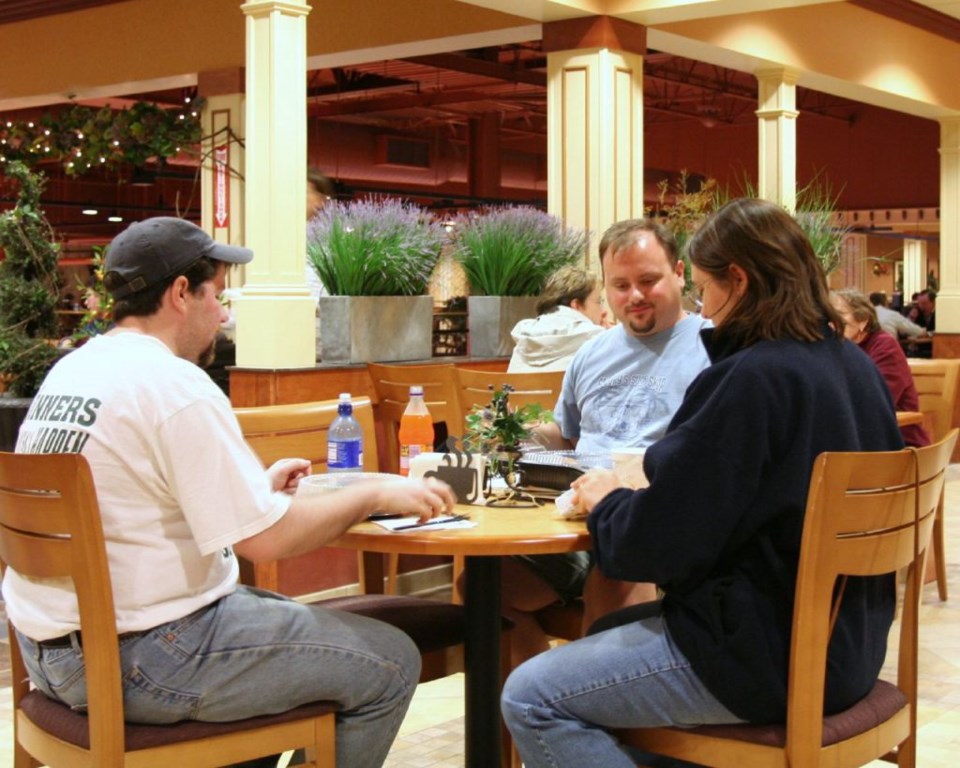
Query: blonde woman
(569,312)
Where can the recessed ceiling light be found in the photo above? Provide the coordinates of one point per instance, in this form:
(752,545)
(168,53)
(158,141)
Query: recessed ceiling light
(114,218)
(90,211)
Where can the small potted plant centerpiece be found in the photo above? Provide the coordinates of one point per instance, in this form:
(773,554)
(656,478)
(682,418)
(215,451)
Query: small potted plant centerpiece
(375,258)
(508,254)
(498,430)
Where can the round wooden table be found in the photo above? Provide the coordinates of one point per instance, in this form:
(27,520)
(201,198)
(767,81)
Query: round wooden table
(499,531)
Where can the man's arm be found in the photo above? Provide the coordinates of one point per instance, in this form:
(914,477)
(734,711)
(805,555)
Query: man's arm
(549,436)
(314,521)
(911,330)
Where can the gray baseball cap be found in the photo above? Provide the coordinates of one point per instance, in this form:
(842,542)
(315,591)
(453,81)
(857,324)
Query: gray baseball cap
(149,252)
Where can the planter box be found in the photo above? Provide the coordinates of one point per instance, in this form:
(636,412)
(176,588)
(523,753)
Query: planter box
(364,329)
(490,320)
(13,410)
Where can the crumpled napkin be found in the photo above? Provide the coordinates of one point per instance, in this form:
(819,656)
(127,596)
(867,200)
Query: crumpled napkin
(566,508)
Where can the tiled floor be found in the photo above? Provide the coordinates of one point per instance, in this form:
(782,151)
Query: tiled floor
(432,734)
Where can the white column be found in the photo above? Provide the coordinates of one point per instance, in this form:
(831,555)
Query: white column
(594,139)
(948,297)
(275,315)
(777,122)
(915,270)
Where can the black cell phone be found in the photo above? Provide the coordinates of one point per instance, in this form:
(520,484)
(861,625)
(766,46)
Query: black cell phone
(384,516)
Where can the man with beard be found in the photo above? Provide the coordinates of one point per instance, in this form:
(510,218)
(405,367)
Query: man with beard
(621,390)
(180,492)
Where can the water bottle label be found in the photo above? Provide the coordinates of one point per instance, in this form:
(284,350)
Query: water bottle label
(346,454)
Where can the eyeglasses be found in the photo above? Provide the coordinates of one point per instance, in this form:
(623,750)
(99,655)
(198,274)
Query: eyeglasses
(696,292)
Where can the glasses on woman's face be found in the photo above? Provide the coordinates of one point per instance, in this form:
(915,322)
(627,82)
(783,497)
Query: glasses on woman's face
(696,292)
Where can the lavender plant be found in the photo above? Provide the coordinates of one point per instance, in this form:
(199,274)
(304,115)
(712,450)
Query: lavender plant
(376,247)
(512,251)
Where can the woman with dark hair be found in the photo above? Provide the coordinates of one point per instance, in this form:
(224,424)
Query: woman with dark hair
(862,327)
(719,527)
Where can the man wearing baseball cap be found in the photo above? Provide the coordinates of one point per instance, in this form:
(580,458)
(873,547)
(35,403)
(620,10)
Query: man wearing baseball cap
(180,493)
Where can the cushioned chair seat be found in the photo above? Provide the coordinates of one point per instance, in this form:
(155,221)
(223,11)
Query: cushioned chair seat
(431,624)
(875,708)
(71,726)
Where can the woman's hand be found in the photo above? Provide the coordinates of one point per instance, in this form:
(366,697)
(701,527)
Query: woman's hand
(591,487)
(425,498)
(285,474)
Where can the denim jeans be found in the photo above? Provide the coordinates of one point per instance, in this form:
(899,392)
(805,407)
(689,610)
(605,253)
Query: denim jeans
(254,653)
(558,704)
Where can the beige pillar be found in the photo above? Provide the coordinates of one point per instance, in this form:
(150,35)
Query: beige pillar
(915,270)
(275,314)
(595,123)
(948,297)
(777,122)
(222,167)
(853,262)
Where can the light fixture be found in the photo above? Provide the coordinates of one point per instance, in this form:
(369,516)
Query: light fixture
(115,217)
(90,211)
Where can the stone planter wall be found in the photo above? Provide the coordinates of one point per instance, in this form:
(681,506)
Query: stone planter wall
(490,320)
(361,329)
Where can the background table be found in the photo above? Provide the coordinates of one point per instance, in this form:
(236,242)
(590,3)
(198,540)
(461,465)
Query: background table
(499,531)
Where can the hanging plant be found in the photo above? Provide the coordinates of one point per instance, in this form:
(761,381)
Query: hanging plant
(83,138)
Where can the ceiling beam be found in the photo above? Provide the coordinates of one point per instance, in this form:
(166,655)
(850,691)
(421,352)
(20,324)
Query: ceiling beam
(472,66)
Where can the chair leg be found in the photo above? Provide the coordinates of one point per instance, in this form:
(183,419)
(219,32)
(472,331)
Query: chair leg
(455,596)
(938,551)
(393,567)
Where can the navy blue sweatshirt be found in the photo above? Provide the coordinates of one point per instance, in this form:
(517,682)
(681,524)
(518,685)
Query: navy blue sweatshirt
(719,527)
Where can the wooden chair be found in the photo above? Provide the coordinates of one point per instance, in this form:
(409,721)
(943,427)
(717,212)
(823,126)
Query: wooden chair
(300,429)
(50,529)
(936,382)
(475,387)
(391,383)
(867,514)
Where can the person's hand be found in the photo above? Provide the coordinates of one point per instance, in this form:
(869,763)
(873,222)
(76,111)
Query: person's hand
(589,488)
(285,474)
(425,498)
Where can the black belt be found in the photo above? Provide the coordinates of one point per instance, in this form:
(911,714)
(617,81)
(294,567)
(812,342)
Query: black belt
(61,642)
(64,640)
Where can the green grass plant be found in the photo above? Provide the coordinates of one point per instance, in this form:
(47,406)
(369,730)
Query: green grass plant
(512,251)
(376,247)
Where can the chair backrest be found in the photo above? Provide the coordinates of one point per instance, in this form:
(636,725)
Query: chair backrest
(867,514)
(300,429)
(297,430)
(936,383)
(50,528)
(475,388)
(391,383)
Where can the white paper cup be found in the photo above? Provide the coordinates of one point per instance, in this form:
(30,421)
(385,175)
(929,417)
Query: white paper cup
(628,467)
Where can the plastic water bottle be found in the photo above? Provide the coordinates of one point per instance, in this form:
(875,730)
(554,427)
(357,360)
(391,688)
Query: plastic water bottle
(416,429)
(345,439)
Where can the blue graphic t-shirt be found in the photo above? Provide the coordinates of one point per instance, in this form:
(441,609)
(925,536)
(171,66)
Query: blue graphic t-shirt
(623,391)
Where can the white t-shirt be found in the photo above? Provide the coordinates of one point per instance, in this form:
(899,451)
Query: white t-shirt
(623,391)
(176,483)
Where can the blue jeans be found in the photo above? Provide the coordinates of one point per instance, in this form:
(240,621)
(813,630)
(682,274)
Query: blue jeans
(255,653)
(558,704)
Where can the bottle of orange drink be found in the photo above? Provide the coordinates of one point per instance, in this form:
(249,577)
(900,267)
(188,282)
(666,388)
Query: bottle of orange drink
(416,429)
